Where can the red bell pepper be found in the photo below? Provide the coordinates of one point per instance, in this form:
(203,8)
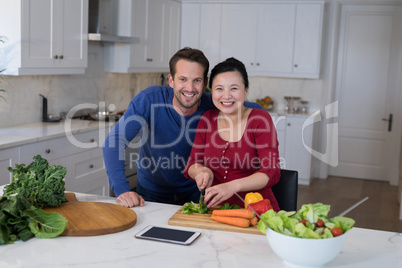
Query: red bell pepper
(261,206)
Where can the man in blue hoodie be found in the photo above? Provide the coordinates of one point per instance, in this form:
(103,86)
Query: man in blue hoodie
(167,118)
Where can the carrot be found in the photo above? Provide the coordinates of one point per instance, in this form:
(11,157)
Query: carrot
(240,222)
(254,221)
(240,213)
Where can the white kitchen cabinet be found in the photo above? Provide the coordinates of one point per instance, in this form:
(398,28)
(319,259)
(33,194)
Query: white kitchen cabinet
(298,141)
(271,39)
(157,24)
(8,158)
(44,37)
(280,126)
(295,137)
(86,172)
(201,28)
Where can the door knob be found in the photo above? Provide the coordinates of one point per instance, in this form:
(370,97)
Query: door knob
(389,119)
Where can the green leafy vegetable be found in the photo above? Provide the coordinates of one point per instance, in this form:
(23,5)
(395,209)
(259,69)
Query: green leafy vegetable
(303,222)
(45,225)
(42,185)
(192,207)
(203,209)
(228,206)
(314,212)
(19,220)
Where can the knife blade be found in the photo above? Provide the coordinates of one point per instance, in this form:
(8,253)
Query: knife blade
(244,201)
(202,196)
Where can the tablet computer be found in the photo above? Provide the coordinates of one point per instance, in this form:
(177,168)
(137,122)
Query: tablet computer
(168,235)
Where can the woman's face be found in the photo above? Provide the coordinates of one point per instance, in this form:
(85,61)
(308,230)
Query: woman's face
(228,92)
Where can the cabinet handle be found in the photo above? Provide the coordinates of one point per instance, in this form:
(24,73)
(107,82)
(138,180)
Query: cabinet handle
(48,151)
(149,59)
(61,57)
(92,140)
(91,166)
(252,63)
(55,57)
(288,124)
(295,65)
(258,64)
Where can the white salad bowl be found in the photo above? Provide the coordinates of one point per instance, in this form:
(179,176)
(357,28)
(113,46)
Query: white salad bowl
(304,252)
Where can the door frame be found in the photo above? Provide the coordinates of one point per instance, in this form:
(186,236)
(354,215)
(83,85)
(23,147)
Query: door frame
(333,11)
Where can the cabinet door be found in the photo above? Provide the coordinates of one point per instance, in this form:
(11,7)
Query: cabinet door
(308,35)
(39,34)
(156,31)
(56,32)
(8,158)
(44,37)
(280,126)
(73,48)
(274,50)
(296,156)
(201,28)
(239,34)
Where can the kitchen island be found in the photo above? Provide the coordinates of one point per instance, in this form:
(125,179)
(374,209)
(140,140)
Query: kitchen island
(363,247)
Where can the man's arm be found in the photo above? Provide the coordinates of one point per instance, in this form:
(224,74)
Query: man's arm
(114,148)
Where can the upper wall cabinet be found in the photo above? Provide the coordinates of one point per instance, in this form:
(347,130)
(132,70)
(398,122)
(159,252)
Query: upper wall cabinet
(271,39)
(157,24)
(44,37)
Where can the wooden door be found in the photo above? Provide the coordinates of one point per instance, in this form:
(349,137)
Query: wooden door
(367,90)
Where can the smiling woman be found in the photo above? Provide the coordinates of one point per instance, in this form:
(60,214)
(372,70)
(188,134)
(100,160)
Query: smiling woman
(235,149)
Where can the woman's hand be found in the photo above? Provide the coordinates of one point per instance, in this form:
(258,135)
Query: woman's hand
(130,199)
(219,193)
(204,178)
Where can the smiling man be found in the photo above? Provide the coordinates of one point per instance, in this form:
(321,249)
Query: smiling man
(167,118)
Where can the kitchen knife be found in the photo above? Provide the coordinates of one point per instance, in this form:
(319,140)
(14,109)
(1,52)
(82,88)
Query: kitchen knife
(244,201)
(202,196)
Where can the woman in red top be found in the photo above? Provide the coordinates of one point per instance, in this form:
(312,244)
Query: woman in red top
(235,148)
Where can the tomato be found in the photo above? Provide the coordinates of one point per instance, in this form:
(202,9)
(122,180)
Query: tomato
(336,231)
(319,224)
(304,221)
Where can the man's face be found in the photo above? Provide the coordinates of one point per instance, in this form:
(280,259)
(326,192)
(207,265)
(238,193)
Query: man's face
(188,84)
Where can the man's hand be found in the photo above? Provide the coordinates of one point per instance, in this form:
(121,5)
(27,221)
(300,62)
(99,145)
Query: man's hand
(130,199)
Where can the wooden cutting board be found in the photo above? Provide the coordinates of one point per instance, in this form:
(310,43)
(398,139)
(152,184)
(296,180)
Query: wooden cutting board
(204,221)
(94,218)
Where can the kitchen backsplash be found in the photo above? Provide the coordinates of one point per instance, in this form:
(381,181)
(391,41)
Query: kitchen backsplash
(24,105)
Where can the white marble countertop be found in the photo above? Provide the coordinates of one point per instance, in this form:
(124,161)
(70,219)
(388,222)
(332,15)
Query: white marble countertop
(363,247)
(28,133)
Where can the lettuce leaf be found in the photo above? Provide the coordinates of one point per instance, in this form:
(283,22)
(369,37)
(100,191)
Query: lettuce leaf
(314,212)
(19,220)
(45,224)
(289,223)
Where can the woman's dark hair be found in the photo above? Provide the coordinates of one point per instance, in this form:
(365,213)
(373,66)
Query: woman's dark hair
(189,54)
(229,65)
